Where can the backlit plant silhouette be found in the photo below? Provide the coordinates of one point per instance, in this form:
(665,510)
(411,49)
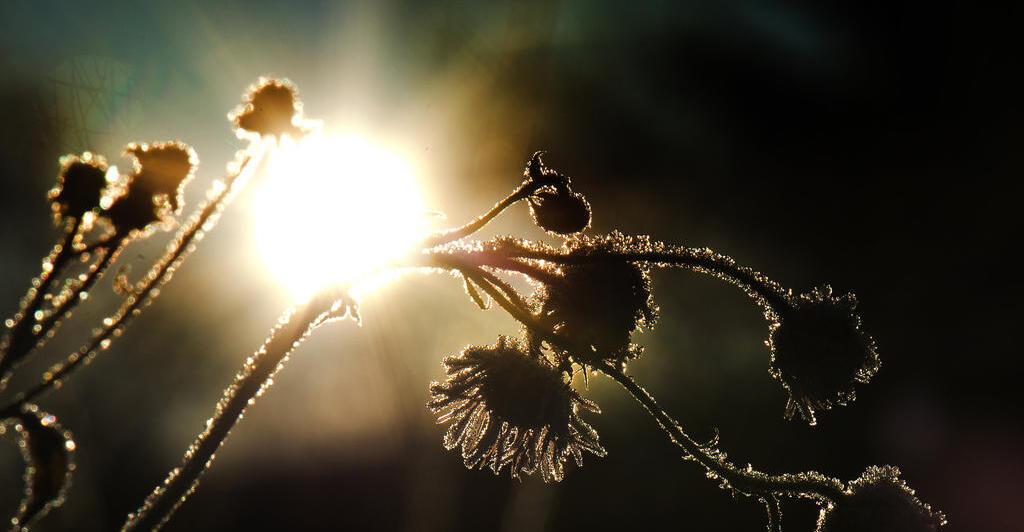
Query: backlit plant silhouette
(510,406)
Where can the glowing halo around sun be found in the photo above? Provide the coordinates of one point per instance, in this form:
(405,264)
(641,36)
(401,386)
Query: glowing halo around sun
(334,210)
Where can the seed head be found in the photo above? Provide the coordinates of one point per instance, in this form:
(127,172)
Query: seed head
(819,351)
(271,108)
(163,168)
(880,501)
(509,408)
(153,191)
(600,304)
(80,185)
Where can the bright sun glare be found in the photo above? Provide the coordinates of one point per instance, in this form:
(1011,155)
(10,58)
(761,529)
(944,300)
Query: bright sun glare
(334,209)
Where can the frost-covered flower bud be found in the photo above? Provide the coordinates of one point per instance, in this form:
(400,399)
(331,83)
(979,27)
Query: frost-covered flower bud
(599,305)
(79,186)
(554,206)
(819,351)
(270,108)
(561,212)
(879,501)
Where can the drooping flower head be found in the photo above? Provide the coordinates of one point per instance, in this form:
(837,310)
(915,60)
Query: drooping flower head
(600,303)
(880,501)
(508,408)
(271,108)
(80,185)
(555,207)
(163,168)
(152,193)
(819,351)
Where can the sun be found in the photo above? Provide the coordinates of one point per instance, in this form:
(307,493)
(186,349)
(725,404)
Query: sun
(335,209)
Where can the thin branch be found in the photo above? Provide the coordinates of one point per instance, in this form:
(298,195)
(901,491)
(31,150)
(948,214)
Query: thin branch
(523,191)
(492,260)
(63,309)
(103,243)
(20,331)
(252,380)
(703,260)
(747,481)
(774,509)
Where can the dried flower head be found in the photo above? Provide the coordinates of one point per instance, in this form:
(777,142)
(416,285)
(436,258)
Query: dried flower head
(270,108)
(80,185)
(881,502)
(508,408)
(600,304)
(135,210)
(163,168)
(819,351)
(560,211)
(153,191)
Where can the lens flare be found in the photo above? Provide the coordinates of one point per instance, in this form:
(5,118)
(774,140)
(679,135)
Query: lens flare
(335,210)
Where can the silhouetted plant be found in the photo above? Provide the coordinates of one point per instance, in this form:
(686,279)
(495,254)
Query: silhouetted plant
(511,405)
(89,194)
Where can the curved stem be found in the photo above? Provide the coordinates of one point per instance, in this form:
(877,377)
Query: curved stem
(161,272)
(747,481)
(521,192)
(492,260)
(254,378)
(20,333)
(764,290)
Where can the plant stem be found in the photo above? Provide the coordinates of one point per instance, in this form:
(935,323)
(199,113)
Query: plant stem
(73,298)
(764,290)
(103,243)
(774,513)
(20,333)
(161,272)
(747,481)
(521,192)
(254,378)
(492,260)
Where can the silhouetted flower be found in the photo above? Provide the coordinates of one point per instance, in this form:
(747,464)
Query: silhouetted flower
(819,351)
(135,210)
(879,501)
(153,192)
(507,408)
(554,206)
(80,184)
(560,211)
(163,168)
(600,304)
(271,108)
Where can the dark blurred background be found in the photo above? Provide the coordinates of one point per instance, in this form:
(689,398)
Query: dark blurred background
(870,145)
